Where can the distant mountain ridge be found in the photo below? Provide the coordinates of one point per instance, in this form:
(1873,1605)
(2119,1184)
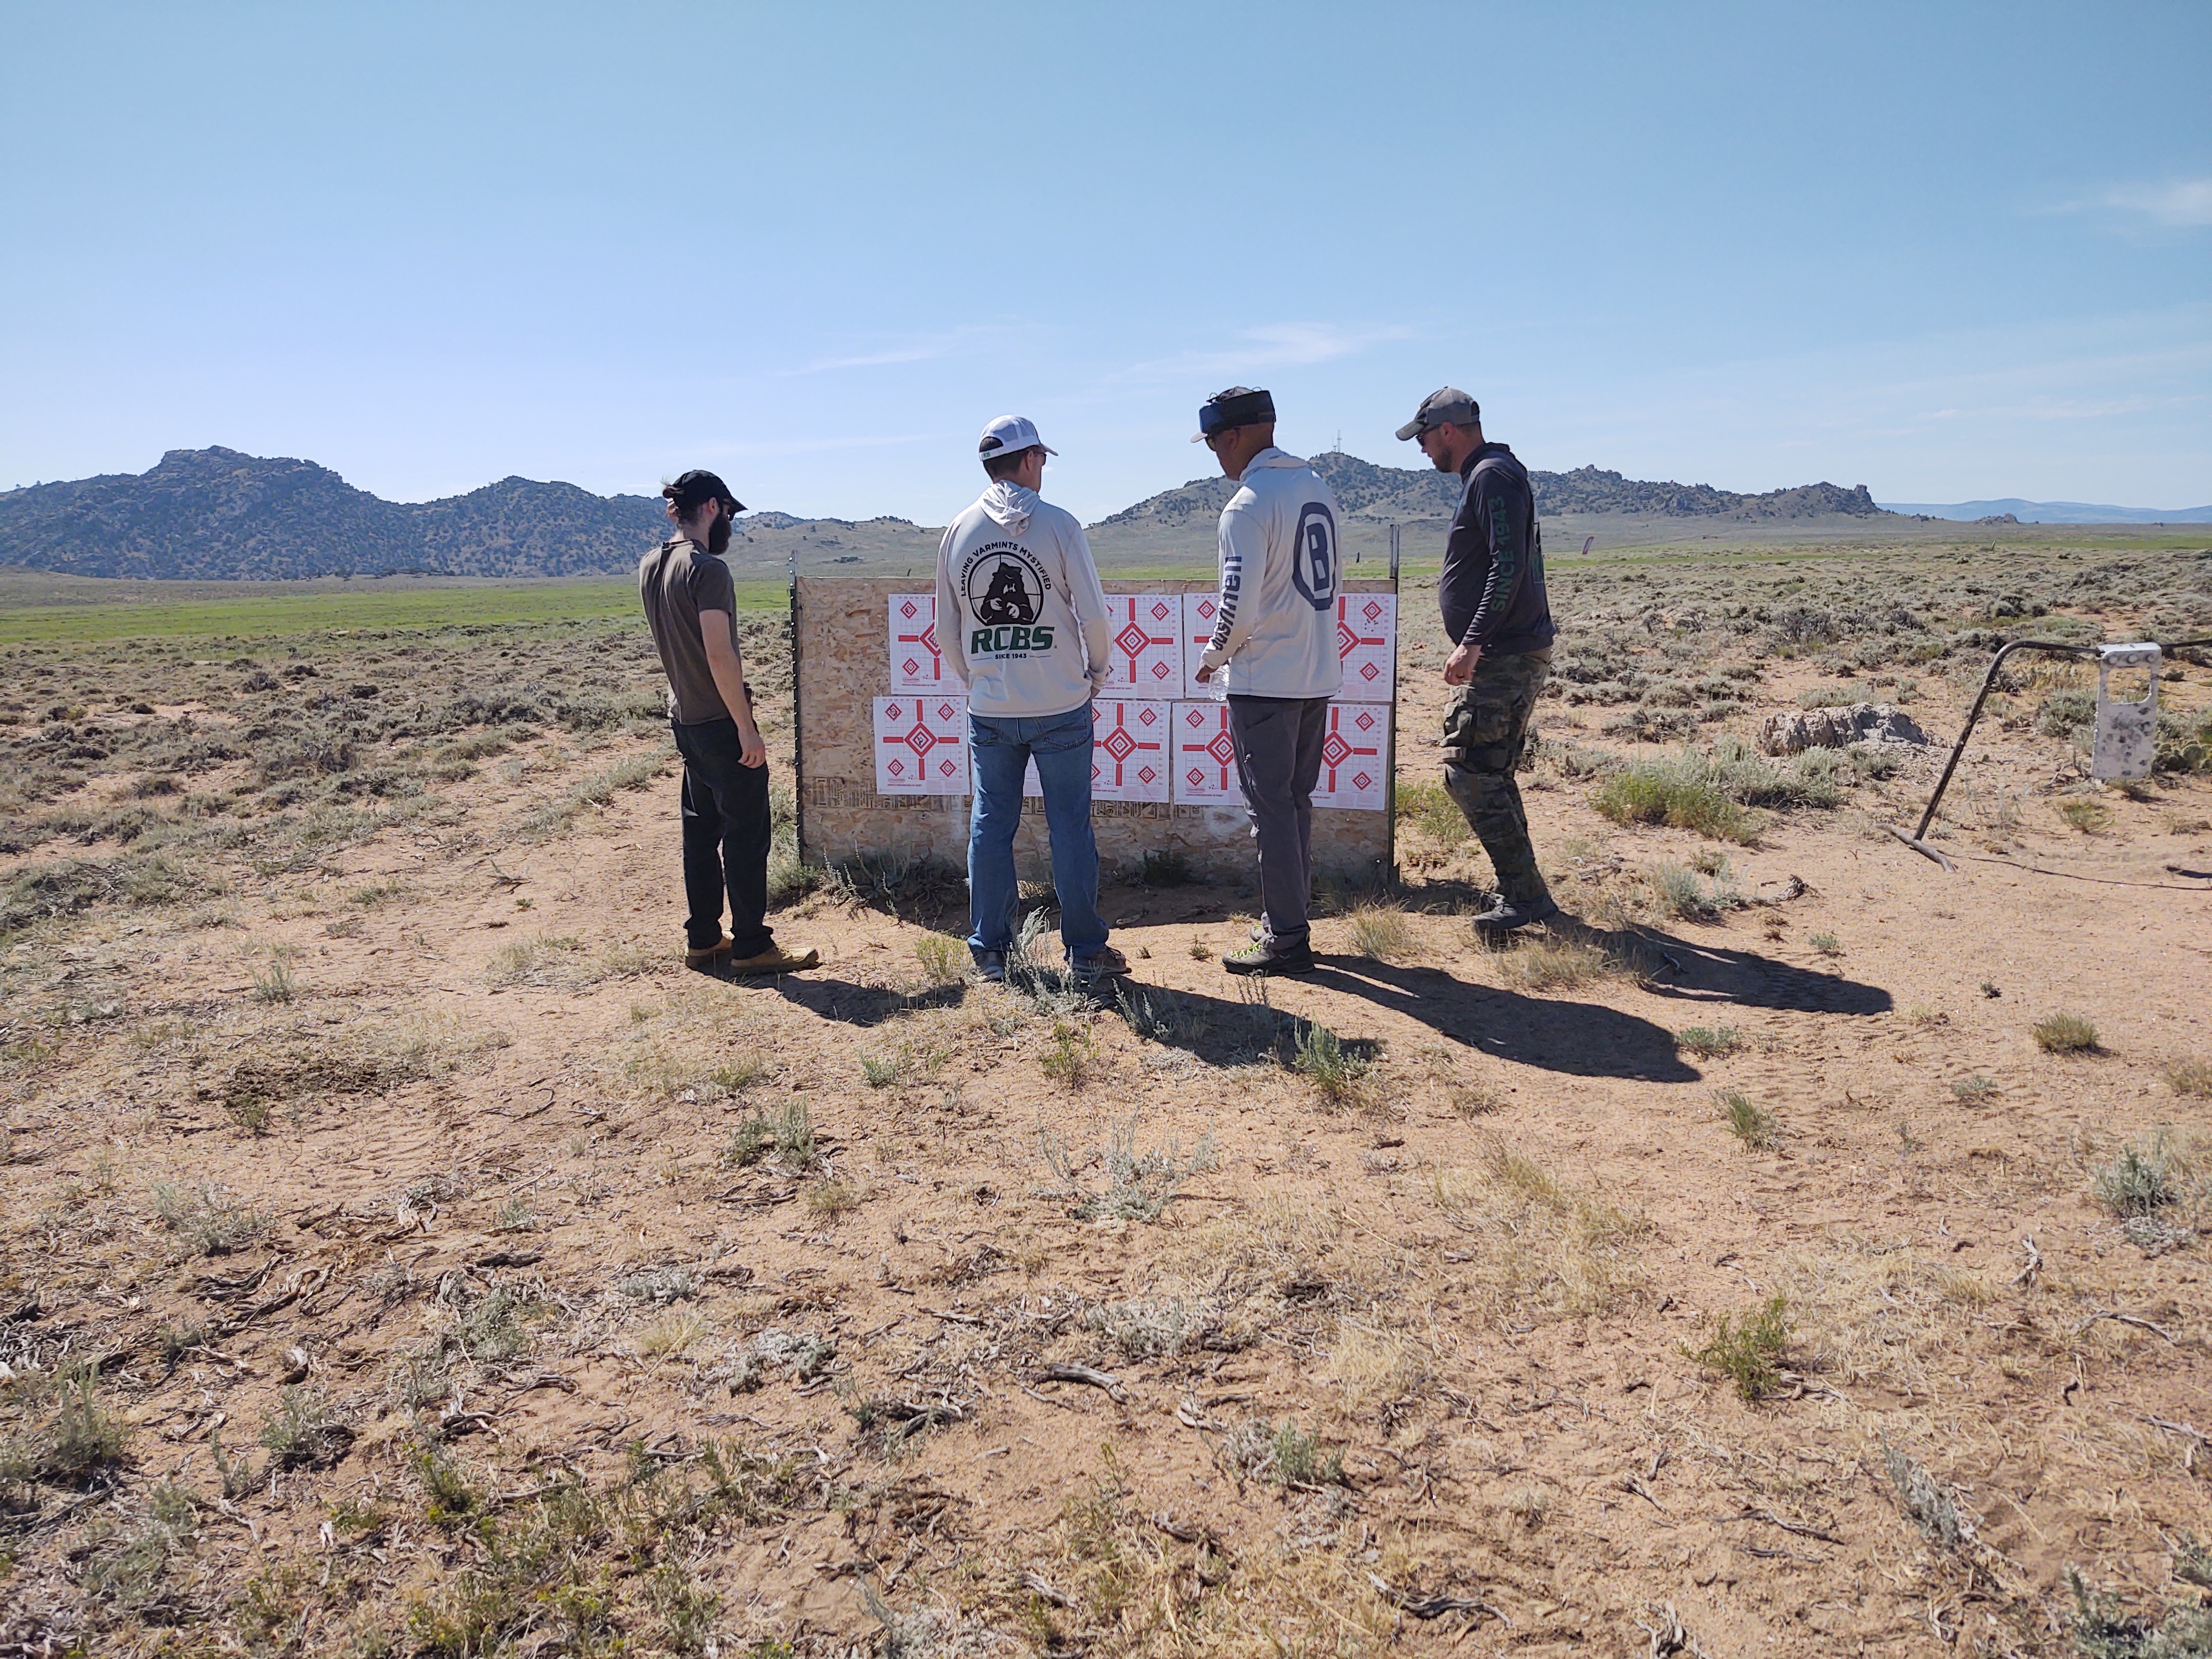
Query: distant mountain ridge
(1366,491)
(217,513)
(2055,511)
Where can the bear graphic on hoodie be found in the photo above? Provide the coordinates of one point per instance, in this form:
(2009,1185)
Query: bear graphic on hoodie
(1021,620)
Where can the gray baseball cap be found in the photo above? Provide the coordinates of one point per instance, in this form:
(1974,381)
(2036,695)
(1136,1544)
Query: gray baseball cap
(1445,403)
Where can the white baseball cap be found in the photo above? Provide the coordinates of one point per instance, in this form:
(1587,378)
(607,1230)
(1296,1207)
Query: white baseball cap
(1008,434)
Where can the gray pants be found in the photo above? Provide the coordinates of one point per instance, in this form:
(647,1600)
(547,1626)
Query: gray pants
(1279,743)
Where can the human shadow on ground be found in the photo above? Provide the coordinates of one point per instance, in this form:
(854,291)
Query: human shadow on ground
(1578,1039)
(1697,972)
(865,1005)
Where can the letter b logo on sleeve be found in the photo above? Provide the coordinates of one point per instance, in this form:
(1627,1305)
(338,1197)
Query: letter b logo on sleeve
(1313,563)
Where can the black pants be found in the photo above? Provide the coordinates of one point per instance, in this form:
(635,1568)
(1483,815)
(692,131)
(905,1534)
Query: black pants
(1278,746)
(726,839)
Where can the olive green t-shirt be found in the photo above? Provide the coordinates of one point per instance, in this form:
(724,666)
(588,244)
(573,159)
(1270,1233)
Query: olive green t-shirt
(677,580)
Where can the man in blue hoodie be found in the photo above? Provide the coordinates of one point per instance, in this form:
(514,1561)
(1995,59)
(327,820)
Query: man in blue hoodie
(1499,622)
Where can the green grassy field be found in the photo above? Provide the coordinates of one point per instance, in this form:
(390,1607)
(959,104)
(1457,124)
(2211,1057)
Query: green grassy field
(53,611)
(37,606)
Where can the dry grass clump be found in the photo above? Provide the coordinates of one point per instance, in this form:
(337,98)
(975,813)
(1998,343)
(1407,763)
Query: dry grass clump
(2144,1182)
(1375,1368)
(1652,792)
(944,959)
(205,1219)
(1072,1056)
(1714,793)
(563,960)
(1561,962)
(1158,1326)
(1708,1042)
(68,1438)
(1749,1122)
(1547,1243)
(1112,1579)
(1750,1354)
(1932,1508)
(788,1132)
(1274,1241)
(1429,807)
(1337,1073)
(1381,932)
(2066,1034)
(602,1560)
(558,817)
(1140,1184)
(2192,1077)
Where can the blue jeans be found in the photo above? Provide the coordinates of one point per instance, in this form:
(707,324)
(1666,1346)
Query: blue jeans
(999,751)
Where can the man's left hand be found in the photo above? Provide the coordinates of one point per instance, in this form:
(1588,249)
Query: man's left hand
(1461,668)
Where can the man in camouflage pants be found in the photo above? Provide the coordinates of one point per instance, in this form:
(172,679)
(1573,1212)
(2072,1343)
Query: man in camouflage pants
(1500,623)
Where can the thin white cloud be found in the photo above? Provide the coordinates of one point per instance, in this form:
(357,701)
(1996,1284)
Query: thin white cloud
(1273,345)
(913,354)
(921,348)
(2183,203)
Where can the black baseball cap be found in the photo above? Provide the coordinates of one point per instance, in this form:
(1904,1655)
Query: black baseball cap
(1239,405)
(694,488)
(1447,404)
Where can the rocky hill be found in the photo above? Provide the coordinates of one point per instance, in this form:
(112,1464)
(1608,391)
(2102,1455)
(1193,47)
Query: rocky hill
(1366,491)
(216,513)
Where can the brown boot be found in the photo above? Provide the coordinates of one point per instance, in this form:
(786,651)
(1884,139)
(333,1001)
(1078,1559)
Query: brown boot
(774,960)
(713,959)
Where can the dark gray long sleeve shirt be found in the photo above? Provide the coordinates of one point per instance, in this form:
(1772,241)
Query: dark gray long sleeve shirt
(1492,586)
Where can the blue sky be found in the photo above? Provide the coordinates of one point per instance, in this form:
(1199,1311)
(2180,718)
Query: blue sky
(1949,252)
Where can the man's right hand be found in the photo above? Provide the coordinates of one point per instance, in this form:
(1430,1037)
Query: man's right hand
(752,752)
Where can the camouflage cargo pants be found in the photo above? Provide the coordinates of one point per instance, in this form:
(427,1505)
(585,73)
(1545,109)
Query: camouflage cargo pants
(1486,729)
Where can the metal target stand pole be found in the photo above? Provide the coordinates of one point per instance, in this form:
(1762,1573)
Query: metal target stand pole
(1390,764)
(1917,840)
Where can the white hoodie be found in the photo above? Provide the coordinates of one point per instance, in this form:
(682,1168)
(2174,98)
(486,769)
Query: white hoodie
(1280,570)
(1020,616)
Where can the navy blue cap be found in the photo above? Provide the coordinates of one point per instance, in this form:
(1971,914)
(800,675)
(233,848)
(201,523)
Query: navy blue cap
(1238,406)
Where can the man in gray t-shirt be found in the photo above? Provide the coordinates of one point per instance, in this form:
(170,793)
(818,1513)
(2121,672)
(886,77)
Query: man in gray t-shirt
(692,605)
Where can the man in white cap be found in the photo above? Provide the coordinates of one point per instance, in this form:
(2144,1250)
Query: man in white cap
(1021,622)
(1274,647)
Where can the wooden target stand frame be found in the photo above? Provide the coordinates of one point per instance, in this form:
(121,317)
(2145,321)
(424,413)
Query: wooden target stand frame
(841,665)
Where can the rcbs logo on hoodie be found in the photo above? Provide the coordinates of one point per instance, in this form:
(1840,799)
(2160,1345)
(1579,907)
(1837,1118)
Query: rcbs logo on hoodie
(1004,586)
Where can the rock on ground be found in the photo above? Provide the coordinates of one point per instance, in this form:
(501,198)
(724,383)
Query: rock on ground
(1792,730)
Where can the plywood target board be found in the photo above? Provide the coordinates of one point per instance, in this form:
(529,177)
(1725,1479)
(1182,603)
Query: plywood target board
(882,760)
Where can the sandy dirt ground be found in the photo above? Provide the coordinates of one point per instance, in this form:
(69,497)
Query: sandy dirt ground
(460,1275)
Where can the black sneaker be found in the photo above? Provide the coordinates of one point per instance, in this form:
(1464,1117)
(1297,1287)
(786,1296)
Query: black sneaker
(991,966)
(1271,956)
(1507,915)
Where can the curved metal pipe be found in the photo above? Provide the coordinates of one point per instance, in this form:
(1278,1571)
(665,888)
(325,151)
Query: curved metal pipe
(1917,840)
